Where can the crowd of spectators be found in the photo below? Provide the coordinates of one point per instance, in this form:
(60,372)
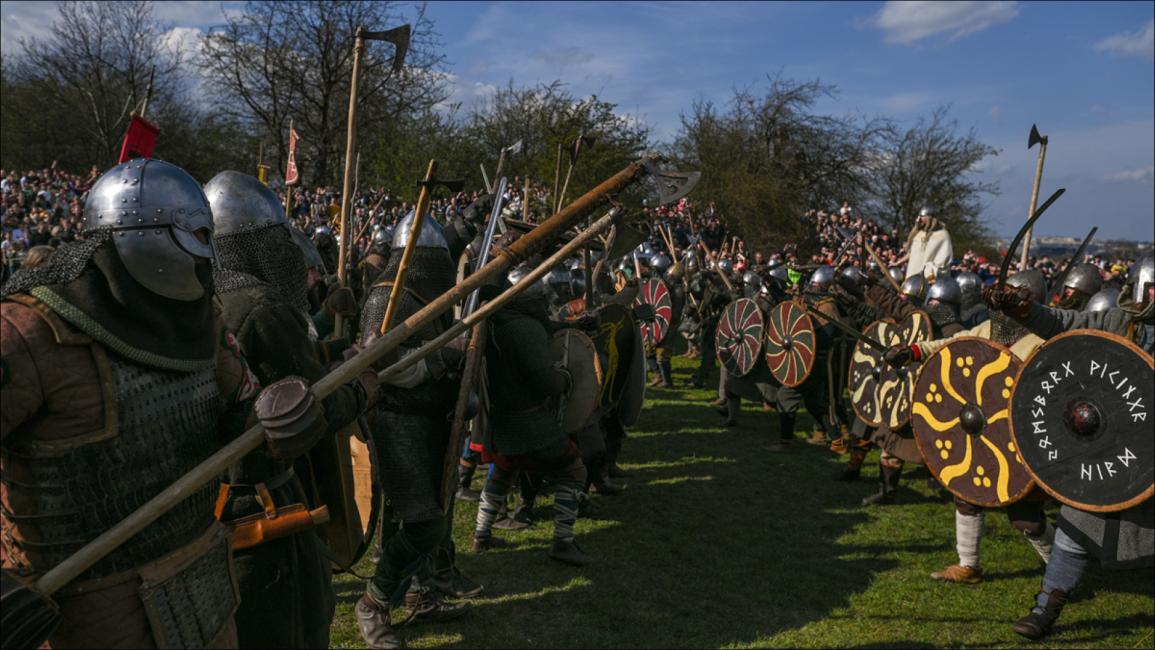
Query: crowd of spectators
(43,208)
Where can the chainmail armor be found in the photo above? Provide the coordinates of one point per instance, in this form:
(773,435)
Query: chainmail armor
(167,424)
(264,255)
(431,273)
(189,609)
(941,314)
(1006,330)
(65,265)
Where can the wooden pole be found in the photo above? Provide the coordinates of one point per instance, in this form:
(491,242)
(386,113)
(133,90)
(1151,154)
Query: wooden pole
(1034,202)
(423,200)
(557,181)
(288,188)
(881,266)
(344,230)
(525,201)
(211,469)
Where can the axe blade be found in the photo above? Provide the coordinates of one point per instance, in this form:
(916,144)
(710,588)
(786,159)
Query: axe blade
(675,185)
(514,148)
(1035,138)
(399,37)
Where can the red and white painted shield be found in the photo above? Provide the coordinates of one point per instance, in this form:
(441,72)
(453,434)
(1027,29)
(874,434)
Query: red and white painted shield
(656,294)
(790,343)
(738,339)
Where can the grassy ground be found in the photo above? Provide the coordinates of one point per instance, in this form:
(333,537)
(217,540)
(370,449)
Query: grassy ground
(719,543)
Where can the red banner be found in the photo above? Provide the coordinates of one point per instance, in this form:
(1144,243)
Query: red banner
(140,139)
(292,176)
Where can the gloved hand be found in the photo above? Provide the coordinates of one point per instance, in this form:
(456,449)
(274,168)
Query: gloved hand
(341,301)
(899,355)
(291,416)
(477,212)
(1012,301)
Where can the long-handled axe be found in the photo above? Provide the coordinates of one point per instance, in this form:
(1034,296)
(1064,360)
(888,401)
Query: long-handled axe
(399,37)
(1041,140)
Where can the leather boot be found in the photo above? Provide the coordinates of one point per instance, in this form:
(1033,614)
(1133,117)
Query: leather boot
(373,622)
(464,478)
(1038,623)
(455,584)
(786,425)
(733,408)
(887,486)
(854,466)
(666,373)
(568,552)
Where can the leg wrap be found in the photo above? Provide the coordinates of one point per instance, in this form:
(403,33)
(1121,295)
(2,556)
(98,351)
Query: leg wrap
(968,533)
(497,487)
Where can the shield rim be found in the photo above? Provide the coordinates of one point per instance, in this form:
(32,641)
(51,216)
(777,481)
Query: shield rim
(1133,501)
(665,331)
(790,305)
(598,371)
(850,382)
(629,418)
(606,400)
(918,439)
(761,336)
(928,334)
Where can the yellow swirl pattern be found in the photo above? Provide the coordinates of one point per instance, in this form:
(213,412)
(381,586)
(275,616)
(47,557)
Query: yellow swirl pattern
(920,409)
(951,472)
(992,368)
(1004,468)
(1001,415)
(947,386)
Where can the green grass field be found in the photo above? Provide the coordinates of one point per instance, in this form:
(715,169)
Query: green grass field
(719,543)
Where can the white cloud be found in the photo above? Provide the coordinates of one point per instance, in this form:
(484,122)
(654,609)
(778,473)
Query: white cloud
(1140,43)
(1142,175)
(908,101)
(908,22)
(182,41)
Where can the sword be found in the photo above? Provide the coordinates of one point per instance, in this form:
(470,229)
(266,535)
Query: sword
(1023,233)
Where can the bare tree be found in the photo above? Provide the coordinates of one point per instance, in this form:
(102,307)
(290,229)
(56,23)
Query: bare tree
(769,158)
(932,164)
(279,60)
(96,67)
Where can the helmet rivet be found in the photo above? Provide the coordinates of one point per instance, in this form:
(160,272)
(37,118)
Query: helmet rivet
(123,200)
(140,220)
(159,211)
(140,233)
(119,222)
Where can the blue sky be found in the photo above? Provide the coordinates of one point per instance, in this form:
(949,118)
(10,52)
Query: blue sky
(1084,72)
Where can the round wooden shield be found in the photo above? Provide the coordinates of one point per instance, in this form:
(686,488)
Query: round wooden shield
(656,294)
(896,385)
(579,356)
(961,422)
(614,341)
(634,394)
(738,338)
(1081,415)
(865,374)
(790,343)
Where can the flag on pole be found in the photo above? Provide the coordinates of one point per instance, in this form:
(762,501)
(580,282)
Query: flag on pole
(292,176)
(139,140)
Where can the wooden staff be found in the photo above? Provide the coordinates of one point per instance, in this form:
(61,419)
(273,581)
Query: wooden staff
(343,229)
(881,266)
(423,200)
(557,180)
(211,469)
